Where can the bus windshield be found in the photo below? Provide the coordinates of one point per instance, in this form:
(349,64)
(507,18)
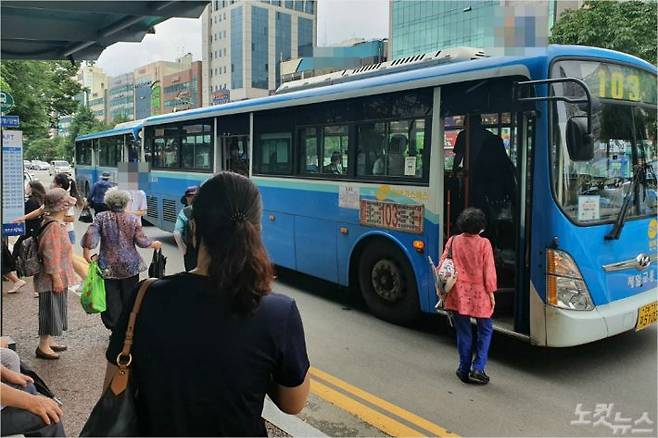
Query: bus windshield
(624,131)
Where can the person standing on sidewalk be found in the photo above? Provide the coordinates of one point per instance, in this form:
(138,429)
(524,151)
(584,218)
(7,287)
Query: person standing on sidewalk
(472,296)
(117,232)
(63,181)
(96,198)
(183,232)
(240,341)
(9,269)
(56,273)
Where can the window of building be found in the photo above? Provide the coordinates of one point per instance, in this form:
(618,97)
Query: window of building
(236,48)
(309,6)
(216,4)
(283,42)
(211,55)
(289,4)
(299,5)
(305,37)
(259,47)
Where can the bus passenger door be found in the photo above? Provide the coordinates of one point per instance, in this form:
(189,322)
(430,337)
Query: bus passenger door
(235,150)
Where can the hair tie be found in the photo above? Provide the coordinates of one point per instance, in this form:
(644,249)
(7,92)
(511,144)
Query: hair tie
(238,216)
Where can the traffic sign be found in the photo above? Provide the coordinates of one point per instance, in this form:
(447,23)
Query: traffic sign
(10,122)
(6,101)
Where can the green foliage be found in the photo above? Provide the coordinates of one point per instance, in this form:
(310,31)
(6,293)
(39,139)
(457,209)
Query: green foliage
(42,90)
(628,27)
(48,149)
(84,122)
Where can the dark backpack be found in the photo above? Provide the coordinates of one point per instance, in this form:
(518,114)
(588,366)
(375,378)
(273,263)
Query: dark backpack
(28,259)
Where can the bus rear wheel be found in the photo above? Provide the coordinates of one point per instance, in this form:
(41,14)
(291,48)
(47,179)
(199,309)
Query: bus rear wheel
(387,283)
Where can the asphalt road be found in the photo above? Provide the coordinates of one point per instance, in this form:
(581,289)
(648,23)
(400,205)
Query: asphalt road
(533,391)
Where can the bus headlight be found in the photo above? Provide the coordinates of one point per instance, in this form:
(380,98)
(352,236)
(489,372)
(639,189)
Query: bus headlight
(565,286)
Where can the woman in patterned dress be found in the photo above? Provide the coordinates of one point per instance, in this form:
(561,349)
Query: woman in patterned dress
(118,232)
(56,274)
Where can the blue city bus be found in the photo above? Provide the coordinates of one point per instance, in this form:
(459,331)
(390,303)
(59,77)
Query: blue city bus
(104,151)
(363,175)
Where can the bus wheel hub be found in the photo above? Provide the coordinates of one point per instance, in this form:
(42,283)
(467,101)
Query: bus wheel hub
(387,280)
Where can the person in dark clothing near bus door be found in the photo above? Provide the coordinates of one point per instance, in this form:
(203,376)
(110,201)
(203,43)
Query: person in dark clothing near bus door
(183,232)
(96,198)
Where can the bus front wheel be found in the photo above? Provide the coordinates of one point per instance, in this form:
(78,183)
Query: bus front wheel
(387,283)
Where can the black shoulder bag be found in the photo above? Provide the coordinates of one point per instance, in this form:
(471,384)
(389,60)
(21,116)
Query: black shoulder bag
(115,414)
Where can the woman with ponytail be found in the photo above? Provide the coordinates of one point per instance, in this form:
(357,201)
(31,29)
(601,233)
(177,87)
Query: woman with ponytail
(211,343)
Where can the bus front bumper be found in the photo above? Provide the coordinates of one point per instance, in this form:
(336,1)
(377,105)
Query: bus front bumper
(565,328)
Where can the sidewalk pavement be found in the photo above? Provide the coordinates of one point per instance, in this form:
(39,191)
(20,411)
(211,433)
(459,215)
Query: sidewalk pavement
(77,377)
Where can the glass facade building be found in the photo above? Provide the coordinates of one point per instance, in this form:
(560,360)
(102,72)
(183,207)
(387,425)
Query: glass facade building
(304,37)
(237,42)
(282,42)
(245,41)
(259,47)
(423,26)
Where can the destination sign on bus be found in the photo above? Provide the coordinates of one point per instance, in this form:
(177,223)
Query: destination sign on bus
(401,217)
(619,82)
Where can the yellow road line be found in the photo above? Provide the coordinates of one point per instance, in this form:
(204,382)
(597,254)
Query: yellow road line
(367,414)
(393,409)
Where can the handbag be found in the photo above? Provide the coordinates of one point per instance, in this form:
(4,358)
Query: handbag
(446,271)
(86,216)
(28,260)
(158,263)
(92,293)
(115,414)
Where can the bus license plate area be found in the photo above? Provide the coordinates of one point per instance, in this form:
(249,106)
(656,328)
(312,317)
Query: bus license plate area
(647,315)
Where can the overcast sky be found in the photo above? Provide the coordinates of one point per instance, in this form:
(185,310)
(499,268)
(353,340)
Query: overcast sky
(338,20)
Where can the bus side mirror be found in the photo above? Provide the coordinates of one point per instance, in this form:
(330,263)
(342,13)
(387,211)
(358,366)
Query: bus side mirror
(580,143)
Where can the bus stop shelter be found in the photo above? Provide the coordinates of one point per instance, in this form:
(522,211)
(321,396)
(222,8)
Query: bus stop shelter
(81,30)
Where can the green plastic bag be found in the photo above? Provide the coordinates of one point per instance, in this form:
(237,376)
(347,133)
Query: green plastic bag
(92,293)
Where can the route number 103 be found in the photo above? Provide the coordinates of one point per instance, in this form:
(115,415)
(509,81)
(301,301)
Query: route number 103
(619,86)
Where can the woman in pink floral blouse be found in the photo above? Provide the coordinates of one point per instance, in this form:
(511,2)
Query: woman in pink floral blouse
(473,294)
(56,274)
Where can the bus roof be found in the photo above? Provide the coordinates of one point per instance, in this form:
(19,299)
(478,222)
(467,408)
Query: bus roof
(122,128)
(535,59)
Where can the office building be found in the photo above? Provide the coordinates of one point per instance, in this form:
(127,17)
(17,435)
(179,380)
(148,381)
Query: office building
(350,54)
(244,43)
(420,26)
(95,83)
(182,90)
(148,85)
(121,97)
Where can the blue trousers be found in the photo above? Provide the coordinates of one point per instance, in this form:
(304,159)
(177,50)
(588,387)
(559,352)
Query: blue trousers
(465,342)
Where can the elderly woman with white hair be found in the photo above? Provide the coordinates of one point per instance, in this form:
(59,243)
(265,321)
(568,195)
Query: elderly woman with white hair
(118,232)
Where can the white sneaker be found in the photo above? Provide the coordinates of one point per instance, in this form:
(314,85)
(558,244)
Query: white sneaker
(19,284)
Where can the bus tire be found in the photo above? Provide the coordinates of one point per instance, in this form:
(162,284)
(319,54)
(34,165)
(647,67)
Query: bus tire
(387,282)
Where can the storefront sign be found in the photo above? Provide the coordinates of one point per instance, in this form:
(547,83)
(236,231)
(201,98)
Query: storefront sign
(401,217)
(13,201)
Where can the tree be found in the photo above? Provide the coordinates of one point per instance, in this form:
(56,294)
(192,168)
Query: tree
(42,90)
(84,122)
(47,149)
(628,27)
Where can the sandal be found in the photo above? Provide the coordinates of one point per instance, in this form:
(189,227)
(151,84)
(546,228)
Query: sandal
(43,355)
(19,284)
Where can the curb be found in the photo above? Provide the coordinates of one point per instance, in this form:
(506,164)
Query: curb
(290,424)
